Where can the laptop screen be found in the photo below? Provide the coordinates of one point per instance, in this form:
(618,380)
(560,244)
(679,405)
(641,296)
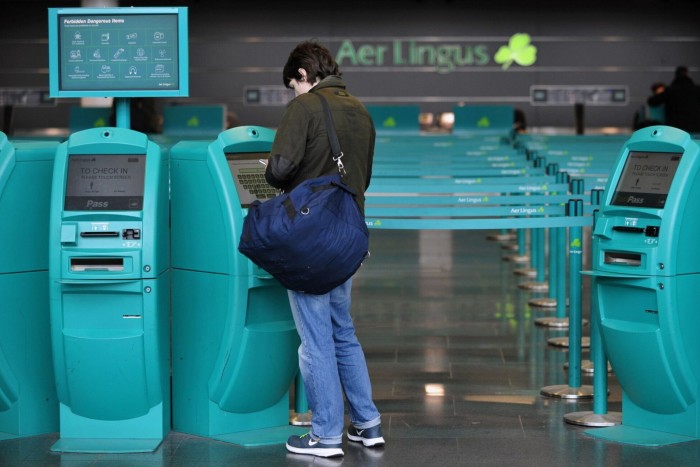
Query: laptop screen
(248,171)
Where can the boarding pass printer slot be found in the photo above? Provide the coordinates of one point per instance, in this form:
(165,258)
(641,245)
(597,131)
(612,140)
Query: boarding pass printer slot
(623,258)
(96,264)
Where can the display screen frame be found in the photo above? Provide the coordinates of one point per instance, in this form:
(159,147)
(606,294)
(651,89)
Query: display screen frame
(154,75)
(646,179)
(84,170)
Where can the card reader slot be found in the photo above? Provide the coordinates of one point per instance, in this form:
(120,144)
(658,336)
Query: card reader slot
(96,264)
(623,258)
(626,228)
(99,234)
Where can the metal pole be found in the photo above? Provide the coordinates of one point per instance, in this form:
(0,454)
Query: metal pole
(531,258)
(301,415)
(538,262)
(575,318)
(123,112)
(600,416)
(574,390)
(551,300)
(576,188)
(578,116)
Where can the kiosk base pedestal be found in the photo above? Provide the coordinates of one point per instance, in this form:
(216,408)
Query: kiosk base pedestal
(138,434)
(105,445)
(263,437)
(631,435)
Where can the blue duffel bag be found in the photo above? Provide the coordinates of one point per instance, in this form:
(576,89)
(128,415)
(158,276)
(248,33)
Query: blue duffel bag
(311,239)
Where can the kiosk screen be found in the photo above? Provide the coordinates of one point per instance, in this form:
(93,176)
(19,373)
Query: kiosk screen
(646,179)
(105,182)
(248,171)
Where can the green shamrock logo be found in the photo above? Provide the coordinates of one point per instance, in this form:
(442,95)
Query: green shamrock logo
(483,122)
(518,50)
(389,123)
(193,122)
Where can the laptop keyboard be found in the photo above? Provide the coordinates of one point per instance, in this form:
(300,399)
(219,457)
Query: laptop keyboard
(257,185)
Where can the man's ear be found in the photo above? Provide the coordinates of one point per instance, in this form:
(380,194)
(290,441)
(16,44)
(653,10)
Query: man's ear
(302,72)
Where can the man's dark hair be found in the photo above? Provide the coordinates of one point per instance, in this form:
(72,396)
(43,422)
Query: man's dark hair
(312,57)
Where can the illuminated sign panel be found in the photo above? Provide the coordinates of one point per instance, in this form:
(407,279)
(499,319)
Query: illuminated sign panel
(118,52)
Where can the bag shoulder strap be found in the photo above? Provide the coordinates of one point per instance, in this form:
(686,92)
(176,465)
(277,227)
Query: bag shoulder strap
(332,135)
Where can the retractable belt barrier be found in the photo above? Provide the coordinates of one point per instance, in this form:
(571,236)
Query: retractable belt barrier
(464,184)
(591,158)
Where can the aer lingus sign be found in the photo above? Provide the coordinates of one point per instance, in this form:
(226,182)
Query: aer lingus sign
(444,57)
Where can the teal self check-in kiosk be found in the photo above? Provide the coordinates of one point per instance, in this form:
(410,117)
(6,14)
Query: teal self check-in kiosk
(109,230)
(234,343)
(646,271)
(109,291)
(28,404)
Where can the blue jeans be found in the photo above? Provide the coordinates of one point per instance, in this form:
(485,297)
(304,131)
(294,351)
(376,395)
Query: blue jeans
(330,356)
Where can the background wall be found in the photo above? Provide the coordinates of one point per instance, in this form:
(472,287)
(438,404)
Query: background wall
(240,46)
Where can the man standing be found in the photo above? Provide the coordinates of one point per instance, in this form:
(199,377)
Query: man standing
(331,359)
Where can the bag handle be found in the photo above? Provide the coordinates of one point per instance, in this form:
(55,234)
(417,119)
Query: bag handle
(332,135)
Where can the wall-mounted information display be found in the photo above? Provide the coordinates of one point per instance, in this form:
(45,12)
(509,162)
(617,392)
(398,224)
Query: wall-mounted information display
(118,52)
(588,95)
(26,97)
(268,95)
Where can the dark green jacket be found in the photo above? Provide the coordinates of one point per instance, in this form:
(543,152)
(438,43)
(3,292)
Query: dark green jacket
(301,149)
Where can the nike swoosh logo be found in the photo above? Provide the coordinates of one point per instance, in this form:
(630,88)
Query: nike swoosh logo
(359,432)
(312,442)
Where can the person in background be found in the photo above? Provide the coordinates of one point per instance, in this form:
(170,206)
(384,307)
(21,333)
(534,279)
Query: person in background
(657,113)
(519,122)
(649,115)
(681,101)
(331,359)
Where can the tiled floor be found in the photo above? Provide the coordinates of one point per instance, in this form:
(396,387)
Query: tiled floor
(457,366)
